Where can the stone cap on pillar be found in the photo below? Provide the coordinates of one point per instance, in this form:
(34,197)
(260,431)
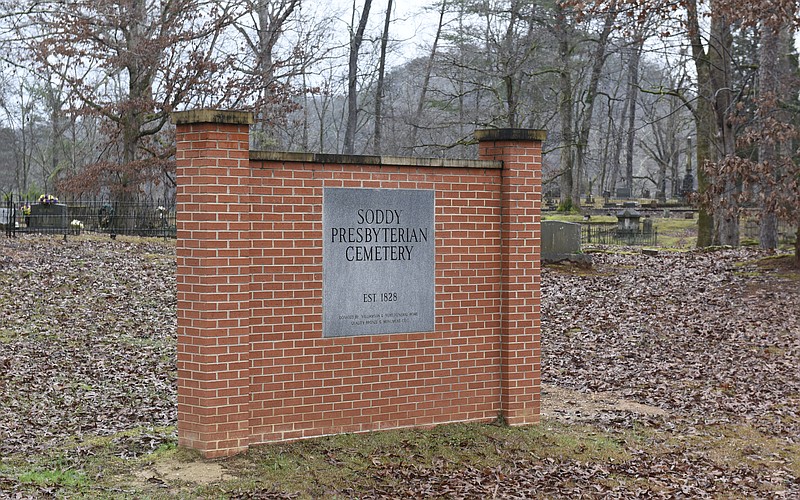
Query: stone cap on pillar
(510,134)
(227,117)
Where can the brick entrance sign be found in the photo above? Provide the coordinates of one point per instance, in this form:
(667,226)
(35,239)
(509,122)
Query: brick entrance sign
(322,294)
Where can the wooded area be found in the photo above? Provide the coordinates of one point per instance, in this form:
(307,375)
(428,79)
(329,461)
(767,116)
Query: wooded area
(631,92)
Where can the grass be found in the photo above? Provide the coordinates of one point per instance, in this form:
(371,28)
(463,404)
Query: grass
(598,219)
(328,467)
(783,265)
(732,445)
(7,336)
(779,265)
(678,234)
(55,477)
(315,468)
(673,233)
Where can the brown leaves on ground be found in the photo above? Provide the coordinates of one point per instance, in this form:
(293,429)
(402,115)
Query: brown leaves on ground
(710,336)
(712,339)
(677,475)
(87,339)
(688,362)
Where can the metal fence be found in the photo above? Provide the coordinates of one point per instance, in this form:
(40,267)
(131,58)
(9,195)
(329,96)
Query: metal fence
(96,216)
(751,230)
(597,234)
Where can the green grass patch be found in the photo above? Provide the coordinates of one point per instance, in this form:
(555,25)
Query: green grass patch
(780,265)
(62,478)
(159,257)
(598,219)
(91,467)
(674,233)
(7,336)
(732,445)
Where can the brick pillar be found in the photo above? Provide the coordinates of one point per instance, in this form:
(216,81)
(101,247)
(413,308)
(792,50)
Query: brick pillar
(521,153)
(213,257)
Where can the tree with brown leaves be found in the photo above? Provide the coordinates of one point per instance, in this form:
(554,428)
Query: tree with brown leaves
(129,63)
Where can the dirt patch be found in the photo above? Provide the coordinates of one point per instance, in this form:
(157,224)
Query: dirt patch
(573,406)
(196,473)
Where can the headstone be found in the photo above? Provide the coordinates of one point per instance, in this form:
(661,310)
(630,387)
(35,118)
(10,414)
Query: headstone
(378,261)
(623,193)
(50,216)
(560,240)
(6,217)
(628,221)
(647,225)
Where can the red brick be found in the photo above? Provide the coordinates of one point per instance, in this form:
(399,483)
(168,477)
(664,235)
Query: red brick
(250,299)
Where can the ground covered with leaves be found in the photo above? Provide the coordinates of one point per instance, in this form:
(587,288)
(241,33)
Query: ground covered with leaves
(665,376)
(87,339)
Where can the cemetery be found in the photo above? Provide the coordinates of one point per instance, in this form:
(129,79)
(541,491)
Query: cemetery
(687,358)
(399,250)
(49,215)
(666,373)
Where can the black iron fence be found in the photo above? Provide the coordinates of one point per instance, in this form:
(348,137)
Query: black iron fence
(605,234)
(18,215)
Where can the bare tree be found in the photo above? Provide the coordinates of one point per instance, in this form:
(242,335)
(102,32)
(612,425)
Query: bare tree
(130,64)
(565,107)
(587,104)
(416,120)
(356,39)
(634,58)
(379,91)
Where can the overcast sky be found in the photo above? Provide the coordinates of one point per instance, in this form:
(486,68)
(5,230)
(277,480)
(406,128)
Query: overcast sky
(412,28)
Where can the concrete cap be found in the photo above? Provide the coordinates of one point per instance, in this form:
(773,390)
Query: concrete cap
(212,116)
(510,134)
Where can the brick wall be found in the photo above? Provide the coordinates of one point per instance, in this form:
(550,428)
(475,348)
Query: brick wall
(253,365)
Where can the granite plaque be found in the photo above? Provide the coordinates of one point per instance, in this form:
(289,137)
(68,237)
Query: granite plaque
(378,261)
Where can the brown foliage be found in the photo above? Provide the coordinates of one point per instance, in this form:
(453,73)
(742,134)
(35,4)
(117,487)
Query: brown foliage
(773,185)
(130,64)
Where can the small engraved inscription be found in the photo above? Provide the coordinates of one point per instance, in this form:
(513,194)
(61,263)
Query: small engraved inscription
(378,261)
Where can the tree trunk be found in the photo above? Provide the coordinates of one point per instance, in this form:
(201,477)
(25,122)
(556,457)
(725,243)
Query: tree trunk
(633,90)
(378,138)
(132,118)
(661,192)
(769,89)
(416,122)
(675,180)
(565,110)
(598,61)
(797,248)
(720,48)
(615,164)
(604,159)
(705,120)
(352,80)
